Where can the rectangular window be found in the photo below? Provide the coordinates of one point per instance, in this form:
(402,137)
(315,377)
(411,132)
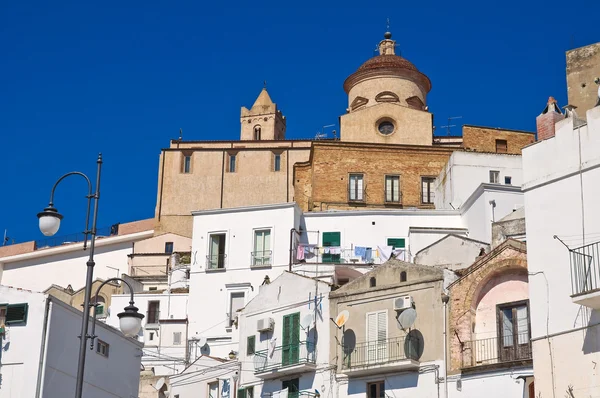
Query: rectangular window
(377,337)
(494,177)
(152,288)
(151,336)
(513,331)
(250,345)
(396,243)
(262,248)
(176,338)
(376,389)
(277,163)
(427,194)
(187,164)
(16,313)
(102,348)
(247,392)
(507,180)
(293,387)
(392,189)
(331,239)
(356,188)
(168,247)
(216,257)
(236,303)
(290,349)
(501,146)
(213,390)
(2,315)
(153,312)
(232,163)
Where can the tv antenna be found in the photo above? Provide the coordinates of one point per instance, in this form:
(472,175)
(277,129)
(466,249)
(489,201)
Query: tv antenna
(448,126)
(322,134)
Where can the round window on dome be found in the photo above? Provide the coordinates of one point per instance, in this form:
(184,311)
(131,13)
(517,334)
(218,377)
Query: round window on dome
(386,127)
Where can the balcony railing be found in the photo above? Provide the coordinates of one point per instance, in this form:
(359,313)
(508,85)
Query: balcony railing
(262,258)
(215,261)
(285,356)
(74,238)
(292,394)
(585,268)
(488,351)
(381,352)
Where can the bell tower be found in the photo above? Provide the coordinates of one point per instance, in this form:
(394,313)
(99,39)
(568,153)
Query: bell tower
(263,121)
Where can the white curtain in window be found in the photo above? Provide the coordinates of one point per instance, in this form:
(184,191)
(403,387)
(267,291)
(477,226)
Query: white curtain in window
(356,187)
(507,327)
(522,325)
(213,390)
(392,189)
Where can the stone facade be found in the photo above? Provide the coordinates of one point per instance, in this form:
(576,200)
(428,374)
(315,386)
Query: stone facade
(485,139)
(582,72)
(508,259)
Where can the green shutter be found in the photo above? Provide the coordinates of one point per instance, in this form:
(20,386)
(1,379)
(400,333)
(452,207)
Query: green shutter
(398,243)
(16,313)
(290,349)
(331,239)
(250,345)
(293,387)
(241,393)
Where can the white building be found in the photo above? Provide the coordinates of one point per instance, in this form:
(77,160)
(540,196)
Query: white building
(207,376)
(562,192)
(284,339)
(36,266)
(40,347)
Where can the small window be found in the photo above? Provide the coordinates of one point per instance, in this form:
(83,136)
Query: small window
(168,247)
(403,276)
(16,313)
(153,288)
(261,256)
(494,177)
(187,164)
(501,146)
(257,131)
(176,338)
(249,392)
(396,243)
(427,193)
(216,256)
(99,311)
(356,188)
(372,282)
(507,180)
(151,336)
(250,343)
(392,189)
(376,389)
(102,348)
(153,312)
(231,163)
(277,163)
(236,303)
(213,390)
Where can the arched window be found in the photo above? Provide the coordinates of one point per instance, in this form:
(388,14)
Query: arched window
(372,282)
(257,131)
(403,276)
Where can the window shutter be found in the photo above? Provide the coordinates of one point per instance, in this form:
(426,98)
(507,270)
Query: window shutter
(241,393)
(381,326)
(372,327)
(16,313)
(397,243)
(359,188)
(331,238)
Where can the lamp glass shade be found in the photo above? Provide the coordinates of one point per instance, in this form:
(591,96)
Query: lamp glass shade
(49,224)
(130,325)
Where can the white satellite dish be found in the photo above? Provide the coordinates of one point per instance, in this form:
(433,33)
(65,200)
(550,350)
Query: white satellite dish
(342,318)
(201,341)
(159,384)
(407,318)
(306,321)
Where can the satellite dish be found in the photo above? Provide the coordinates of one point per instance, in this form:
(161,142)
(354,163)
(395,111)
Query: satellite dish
(201,341)
(306,321)
(342,318)
(167,393)
(159,384)
(407,318)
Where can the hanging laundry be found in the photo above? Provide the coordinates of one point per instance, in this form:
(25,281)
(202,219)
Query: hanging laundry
(300,252)
(360,251)
(272,344)
(335,250)
(385,252)
(326,250)
(310,251)
(400,254)
(368,255)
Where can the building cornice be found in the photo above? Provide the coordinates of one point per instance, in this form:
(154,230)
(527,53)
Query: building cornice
(382,212)
(485,187)
(245,209)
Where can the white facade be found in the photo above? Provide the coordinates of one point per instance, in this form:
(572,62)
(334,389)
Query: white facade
(562,193)
(39,355)
(206,377)
(66,265)
(265,367)
(164,328)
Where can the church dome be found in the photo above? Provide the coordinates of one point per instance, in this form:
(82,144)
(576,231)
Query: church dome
(387,61)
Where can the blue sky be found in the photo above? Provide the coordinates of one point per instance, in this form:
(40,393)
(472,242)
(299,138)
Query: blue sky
(121,78)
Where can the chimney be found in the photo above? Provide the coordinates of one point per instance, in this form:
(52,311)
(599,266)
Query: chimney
(547,119)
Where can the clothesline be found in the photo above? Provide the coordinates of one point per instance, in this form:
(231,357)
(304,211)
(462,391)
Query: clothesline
(366,254)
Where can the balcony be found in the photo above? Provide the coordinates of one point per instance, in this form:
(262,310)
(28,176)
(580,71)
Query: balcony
(285,360)
(382,356)
(152,317)
(585,275)
(293,394)
(261,259)
(215,262)
(487,352)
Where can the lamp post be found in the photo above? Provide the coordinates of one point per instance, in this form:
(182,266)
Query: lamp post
(49,222)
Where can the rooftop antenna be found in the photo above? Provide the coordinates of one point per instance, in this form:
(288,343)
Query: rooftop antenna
(6,238)
(448,126)
(265,84)
(180,134)
(322,134)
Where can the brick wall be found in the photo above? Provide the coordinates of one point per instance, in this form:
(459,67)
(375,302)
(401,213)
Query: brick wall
(19,248)
(483,139)
(136,226)
(546,121)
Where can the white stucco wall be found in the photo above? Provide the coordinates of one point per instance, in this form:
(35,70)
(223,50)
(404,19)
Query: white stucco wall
(465,171)
(512,382)
(194,382)
(555,204)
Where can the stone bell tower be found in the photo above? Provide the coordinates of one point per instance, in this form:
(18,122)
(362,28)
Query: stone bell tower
(263,121)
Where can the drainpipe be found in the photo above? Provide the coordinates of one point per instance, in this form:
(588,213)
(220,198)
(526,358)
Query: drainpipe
(291,248)
(445,299)
(43,351)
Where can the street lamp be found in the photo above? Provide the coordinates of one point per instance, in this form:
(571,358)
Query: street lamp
(49,222)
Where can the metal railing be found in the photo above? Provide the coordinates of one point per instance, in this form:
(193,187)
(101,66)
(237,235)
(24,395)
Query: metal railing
(488,351)
(284,356)
(357,195)
(149,270)
(293,394)
(380,352)
(585,268)
(73,238)
(215,261)
(261,258)
(392,201)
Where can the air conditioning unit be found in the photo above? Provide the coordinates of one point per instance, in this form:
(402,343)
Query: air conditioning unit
(265,325)
(403,303)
